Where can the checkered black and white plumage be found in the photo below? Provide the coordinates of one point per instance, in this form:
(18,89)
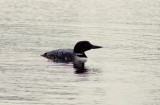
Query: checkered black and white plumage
(65,54)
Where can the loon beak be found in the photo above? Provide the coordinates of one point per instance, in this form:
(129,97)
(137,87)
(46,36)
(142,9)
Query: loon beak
(95,47)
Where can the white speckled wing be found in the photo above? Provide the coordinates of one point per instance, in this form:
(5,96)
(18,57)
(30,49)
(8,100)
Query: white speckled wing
(60,54)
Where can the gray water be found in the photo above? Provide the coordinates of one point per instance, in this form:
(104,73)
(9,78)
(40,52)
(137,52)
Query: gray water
(126,71)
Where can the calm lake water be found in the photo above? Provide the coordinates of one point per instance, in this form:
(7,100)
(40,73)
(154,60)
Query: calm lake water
(126,71)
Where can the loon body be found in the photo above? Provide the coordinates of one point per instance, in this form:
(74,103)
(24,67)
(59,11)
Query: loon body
(69,55)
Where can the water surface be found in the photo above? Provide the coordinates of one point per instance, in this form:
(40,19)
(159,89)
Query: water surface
(124,72)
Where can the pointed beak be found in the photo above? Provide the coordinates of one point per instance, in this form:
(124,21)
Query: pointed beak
(95,47)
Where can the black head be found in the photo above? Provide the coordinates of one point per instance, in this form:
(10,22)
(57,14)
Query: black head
(83,46)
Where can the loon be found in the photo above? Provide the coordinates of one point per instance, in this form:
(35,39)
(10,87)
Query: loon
(69,55)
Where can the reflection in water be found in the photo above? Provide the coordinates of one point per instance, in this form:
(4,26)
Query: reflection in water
(78,64)
(80,70)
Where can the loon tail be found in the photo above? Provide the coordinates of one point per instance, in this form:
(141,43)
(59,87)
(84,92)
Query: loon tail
(44,55)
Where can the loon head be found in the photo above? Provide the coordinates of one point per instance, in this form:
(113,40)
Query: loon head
(83,46)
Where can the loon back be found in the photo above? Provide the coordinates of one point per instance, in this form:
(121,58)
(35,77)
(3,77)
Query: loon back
(64,54)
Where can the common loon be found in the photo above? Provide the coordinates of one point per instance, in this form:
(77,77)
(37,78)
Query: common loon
(68,55)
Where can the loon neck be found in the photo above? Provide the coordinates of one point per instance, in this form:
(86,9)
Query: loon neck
(81,55)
